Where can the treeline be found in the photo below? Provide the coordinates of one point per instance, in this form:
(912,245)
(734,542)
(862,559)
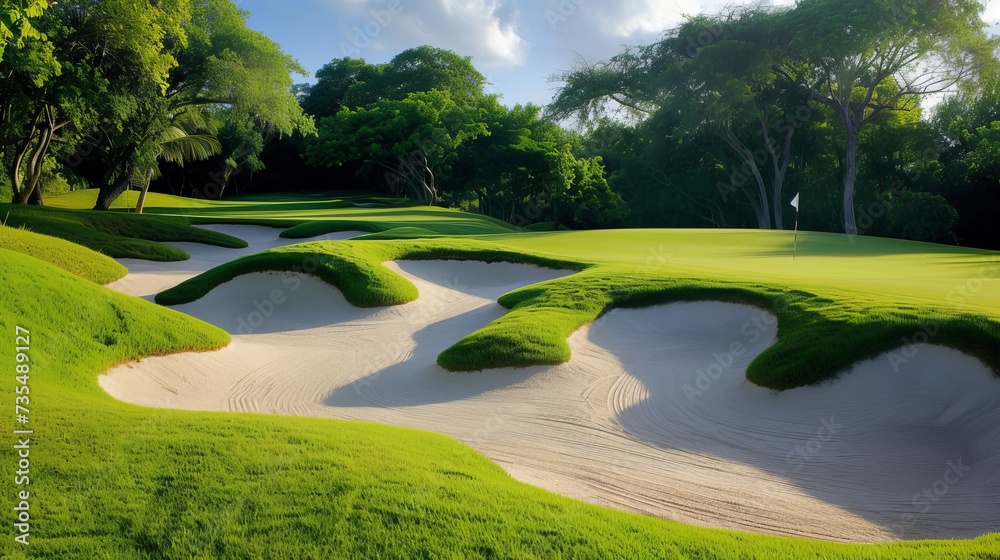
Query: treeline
(720,123)
(422,126)
(100,94)
(723,121)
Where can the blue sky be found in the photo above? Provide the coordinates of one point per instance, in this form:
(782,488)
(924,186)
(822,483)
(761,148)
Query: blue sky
(516,44)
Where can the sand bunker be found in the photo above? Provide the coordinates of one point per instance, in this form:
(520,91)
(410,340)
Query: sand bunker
(652,414)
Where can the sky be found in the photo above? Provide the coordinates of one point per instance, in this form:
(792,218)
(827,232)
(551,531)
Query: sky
(517,44)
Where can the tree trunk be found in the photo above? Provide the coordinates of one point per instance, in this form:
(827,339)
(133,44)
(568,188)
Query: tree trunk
(142,196)
(758,200)
(429,184)
(779,164)
(555,207)
(26,176)
(109,192)
(36,196)
(850,176)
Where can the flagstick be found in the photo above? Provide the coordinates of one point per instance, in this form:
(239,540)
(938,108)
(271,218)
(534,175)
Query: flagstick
(795,237)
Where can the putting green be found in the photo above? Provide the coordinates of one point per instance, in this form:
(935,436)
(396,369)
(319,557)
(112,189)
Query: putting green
(889,269)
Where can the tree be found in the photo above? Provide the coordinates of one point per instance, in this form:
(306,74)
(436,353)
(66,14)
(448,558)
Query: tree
(429,68)
(724,84)
(922,216)
(411,140)
(97,61)
(869,56)
(224,65)
(506,168)
(333,81)
(353,83)
(178,143)
(969,126)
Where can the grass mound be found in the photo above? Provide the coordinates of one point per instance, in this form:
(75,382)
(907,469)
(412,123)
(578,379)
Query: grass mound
(543,226)
(111,480)
(852,325)
(425,219)
(74,258)
(116,234)
(408,232)
(354,267)
(305,215)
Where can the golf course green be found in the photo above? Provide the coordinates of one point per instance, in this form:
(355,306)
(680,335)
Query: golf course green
(114,480)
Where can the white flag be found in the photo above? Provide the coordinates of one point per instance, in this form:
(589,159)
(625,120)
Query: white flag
(795,201)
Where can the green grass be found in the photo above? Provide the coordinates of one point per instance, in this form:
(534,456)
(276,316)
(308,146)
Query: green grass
(116,234)
(354,267)
(429,219)
(250,206)
(304,216)
(111,480)
(74,258)
(542,226)
(854,319)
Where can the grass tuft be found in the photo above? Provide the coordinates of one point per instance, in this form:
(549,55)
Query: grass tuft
(74,258)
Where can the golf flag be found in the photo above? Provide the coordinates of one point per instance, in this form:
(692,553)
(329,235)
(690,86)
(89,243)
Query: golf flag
(795,201)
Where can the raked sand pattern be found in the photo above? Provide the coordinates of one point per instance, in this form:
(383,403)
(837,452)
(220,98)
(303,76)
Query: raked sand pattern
(653,413)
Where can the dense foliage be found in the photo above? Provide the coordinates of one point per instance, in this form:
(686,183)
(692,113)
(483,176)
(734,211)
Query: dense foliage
(422,125)
(106,91)
(720,123)
(728,117)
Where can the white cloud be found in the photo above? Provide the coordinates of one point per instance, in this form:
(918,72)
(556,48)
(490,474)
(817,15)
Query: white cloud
(487,30)
(628,17)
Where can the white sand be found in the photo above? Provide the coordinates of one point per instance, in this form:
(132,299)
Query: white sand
(615,425)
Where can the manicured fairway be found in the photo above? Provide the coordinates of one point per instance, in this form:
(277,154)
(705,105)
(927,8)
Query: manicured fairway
(308,216)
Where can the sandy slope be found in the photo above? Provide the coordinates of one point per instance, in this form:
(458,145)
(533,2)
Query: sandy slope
(652,414)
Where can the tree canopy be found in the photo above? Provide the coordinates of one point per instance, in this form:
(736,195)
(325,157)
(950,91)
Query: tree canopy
(719,123)
(111,78)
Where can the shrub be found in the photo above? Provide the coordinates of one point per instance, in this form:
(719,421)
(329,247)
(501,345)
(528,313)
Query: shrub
(921,216)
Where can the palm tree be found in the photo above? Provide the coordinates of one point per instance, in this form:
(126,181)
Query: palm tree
(179,143)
